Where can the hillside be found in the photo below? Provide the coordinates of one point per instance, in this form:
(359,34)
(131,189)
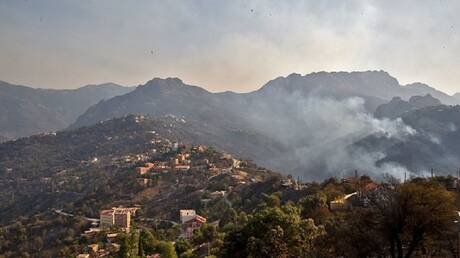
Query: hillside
(25,111)
(72,166)
(56,189)
(301,125)
(435,145)
(59,181)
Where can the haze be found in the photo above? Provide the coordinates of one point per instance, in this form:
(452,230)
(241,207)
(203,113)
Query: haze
(231,45)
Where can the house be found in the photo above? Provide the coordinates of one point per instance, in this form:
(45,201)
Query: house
(145,169)
(93,248)
(217,194)
(343,203)
(182,167)
(191,225)
(370,187)
(186,215)
(199,148)
(83,256)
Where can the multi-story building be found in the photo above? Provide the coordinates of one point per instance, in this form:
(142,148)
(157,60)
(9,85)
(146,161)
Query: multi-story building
(118,217)
(122,218)
(106,219)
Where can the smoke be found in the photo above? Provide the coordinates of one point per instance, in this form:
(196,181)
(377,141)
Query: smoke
(320,133)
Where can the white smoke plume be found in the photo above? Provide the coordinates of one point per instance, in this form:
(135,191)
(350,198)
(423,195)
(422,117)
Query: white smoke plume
(319,134)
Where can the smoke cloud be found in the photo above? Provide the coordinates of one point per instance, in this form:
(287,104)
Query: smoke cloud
(319,134)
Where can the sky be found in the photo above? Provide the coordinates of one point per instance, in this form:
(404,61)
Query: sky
(226,45)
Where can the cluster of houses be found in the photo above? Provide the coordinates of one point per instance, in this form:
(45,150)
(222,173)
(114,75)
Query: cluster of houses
(180,162)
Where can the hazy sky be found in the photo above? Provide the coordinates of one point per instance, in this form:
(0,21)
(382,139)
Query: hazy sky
(225,45)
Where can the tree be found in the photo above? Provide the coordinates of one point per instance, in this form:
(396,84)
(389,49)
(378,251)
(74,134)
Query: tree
(182,245)
(411,214)
(312,202)
(128,244)
(166,249)
(147,242)
(273,232)
(272,200)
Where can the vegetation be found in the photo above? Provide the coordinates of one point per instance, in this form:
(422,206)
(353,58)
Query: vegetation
(251,212)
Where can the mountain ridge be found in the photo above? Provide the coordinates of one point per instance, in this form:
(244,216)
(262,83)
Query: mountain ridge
(25,110)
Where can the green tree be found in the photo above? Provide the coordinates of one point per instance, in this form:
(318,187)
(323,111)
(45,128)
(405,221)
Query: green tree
(147,242)
(128,245)
(273,232)
(166,249)
(272,200)
(312,202)
(182,245)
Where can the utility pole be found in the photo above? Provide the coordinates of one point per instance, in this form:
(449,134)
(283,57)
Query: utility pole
(432,173)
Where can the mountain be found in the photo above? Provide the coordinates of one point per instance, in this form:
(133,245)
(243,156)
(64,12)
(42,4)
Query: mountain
(396,107)
(435,145)
(163,96)
(298,124)
(421,89)
(25,111)
(373,85)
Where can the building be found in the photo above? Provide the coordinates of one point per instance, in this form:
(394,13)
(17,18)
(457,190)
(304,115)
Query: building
(190,221)
(93,248)
(83,256)
(145,169)
(106,219)
(186,215)
(118,217)
(182,167)
(191,225)
(122,218)
(343,203)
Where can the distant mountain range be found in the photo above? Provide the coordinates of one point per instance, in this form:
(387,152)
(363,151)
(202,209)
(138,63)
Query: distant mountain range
(25,111)
(172,96)
(311,126)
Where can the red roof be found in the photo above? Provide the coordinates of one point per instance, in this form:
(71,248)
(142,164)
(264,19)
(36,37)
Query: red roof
(106,212)
(371,186)
(198,219)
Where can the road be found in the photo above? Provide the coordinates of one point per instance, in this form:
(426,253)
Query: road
(60,212)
